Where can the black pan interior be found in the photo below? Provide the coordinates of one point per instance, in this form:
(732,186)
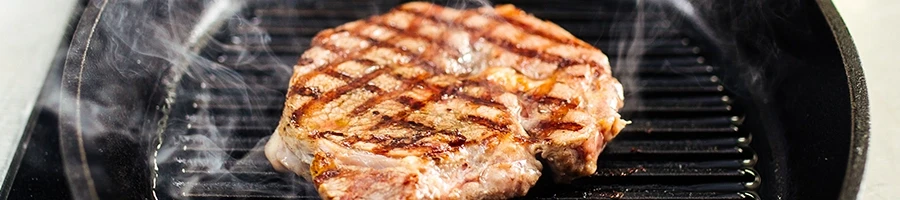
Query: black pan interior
(777,61)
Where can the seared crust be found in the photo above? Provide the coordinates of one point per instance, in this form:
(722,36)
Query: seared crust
(431,102)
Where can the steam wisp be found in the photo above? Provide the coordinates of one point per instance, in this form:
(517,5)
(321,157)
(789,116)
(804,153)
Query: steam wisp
(177,43)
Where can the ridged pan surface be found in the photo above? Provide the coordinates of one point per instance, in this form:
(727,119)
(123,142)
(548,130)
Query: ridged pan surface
(684,141)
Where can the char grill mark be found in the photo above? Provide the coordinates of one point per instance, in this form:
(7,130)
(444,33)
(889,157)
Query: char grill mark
(548,100)
(436,94)
(510,46)
(326,97)
(410,33)
(555,120)
(486,99)
(429,53)
(535,31)
(386,144)
(410,103)
(307,91)
(423,131)
(407,34)
(321,99)
(544,128)
(374,89)
(407,83)
(305,61)
(395,94)
(324,134)
(326,175)
(330,66)
(331,72)
(500,127)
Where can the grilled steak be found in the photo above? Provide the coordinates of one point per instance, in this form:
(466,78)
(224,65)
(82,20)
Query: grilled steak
(427,102)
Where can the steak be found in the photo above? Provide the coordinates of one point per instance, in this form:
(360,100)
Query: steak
(427,102)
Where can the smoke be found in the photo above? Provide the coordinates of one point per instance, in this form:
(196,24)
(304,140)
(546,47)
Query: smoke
(188,129)
(126,93)
(463,4)
(640,26)
(209,149)
(631,44)
(182,127)
(748,38)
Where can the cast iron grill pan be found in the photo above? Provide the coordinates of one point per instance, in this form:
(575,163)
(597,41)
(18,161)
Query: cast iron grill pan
(684,142)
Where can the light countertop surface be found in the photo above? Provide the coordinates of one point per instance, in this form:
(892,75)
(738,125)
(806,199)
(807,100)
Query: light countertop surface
(875,28)
(27,48)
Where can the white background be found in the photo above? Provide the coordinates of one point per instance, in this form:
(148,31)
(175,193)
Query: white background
(875,27)
(31,31)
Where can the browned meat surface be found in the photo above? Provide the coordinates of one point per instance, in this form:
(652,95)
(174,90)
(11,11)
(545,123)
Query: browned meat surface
(426,102)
